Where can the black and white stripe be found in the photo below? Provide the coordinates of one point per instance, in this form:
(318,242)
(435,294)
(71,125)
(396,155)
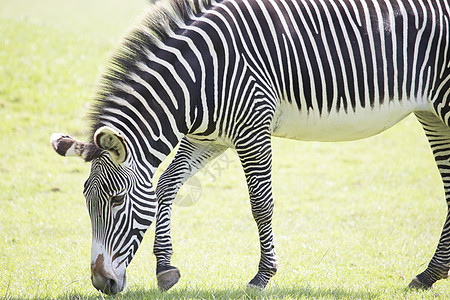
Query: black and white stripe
(231,73)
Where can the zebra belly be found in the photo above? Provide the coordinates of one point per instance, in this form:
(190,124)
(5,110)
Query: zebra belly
(290,122)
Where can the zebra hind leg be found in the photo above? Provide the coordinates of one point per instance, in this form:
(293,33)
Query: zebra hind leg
(438,135)
(191,157)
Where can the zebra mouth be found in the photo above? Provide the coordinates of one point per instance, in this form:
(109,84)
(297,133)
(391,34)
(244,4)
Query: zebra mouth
(107,280)
(109,286)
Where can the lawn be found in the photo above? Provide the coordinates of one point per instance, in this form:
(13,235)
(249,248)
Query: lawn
(354,220)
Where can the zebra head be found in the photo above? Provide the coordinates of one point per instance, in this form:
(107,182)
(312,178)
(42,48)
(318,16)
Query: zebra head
(113,193)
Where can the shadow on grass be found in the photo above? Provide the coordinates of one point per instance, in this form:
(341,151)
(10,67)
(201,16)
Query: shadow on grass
(271,293)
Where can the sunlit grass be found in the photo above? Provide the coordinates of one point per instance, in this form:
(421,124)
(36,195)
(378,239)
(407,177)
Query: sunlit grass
(352,220)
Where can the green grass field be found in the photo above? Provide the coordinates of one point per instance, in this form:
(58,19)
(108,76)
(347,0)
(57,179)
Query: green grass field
(353,220)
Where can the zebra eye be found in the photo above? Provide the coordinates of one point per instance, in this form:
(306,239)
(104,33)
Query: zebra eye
(117,200)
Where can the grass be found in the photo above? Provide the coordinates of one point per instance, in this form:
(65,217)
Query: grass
(352,220)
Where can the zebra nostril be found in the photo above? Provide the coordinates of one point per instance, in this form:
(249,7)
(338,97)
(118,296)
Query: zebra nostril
(110,287)
(106,284)
(112,284)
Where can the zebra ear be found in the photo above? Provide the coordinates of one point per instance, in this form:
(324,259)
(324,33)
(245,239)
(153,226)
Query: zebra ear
(66,145)
(110,140)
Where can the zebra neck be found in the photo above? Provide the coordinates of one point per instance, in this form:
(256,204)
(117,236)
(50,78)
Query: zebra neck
(146,151)
(151,122)
(154,91)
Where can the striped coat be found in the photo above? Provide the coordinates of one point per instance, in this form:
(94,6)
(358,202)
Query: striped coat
(233,73)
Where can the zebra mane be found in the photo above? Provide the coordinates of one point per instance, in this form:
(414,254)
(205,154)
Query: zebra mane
(161,18)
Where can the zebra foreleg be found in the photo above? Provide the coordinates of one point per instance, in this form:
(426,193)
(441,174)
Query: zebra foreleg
(256,158)
(191,157)
(438,135)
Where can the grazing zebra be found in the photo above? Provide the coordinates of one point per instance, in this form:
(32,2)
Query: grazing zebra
(213,75)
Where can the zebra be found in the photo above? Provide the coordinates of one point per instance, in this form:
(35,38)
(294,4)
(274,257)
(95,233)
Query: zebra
(213,75)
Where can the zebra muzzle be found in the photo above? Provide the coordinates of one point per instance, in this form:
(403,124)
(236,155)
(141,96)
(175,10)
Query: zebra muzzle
(104,279)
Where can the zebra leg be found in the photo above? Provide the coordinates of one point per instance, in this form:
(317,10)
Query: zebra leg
(438,135)
(191,157)
(256,160)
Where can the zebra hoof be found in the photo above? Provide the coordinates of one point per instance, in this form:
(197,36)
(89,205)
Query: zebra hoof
(416,284)
(256,284)
(168,278)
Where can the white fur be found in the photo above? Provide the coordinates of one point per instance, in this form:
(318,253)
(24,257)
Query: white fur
(290,122)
